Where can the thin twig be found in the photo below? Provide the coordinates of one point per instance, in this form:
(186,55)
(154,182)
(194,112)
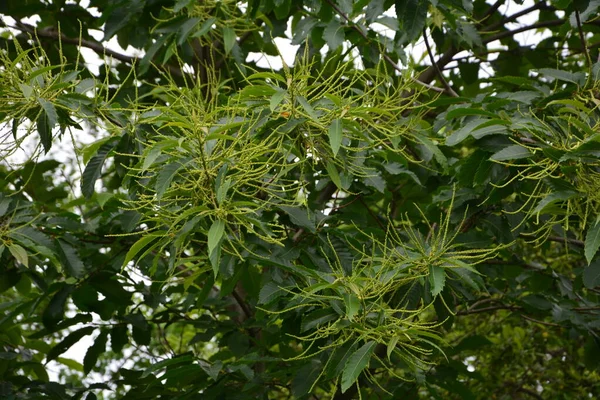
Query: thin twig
(583,43)
(488,309)
(574,242)
(245,308)
(437,68)
(372,214)
(537,321)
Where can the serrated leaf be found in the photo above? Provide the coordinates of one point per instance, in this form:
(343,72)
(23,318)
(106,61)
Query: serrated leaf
(334,174)
(94,351)
(302,217)
(137,247)
(356,363)
(276,98)
(352,305)
(412,15)
(165,363)
(70,260)
(118,338)
(45,123)
(513,152)
(391,346)
(335,135)
(334,34)
(269,292)
(566,76)
(592,242)
(56,307)
(93,169)
(165,177)
(228,39)
(215,234)
(591,275)
(553,198)
(308,108)
(19,253)
(318,317)
(26,90)
(375,9)
(437,279)
(185,29)
(67,342)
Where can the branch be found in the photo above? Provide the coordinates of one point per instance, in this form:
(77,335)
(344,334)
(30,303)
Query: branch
(492,10)
(242,303)
(515,16)
(488,309)
(574,242)
(502,35)
(437,69)
(51,33)
(583,43)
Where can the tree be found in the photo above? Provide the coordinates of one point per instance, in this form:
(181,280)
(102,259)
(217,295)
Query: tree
(362,223)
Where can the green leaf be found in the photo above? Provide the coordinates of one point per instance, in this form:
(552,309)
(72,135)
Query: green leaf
(302,217)
(94,351)
(164,178)
(391,346)
(56,307)
(334,34)
(19,253)
(46,122)
(205,27)
(437,279)
(185,29)
(70,259)
(356,363)
(566,76)
(464,111)
(277,97)
(26,90)
(553,198)
(334,174)
(412,15)
(67,342)
(228,39)
(513,152)
(138,246)
(168,362)
(317,318)
(335,135)
(141,331)
(269,292)
(93,169)
(215,234)
(308,108)
(375,9)
(591,275)
(592,242)
(352,305)
(118,338)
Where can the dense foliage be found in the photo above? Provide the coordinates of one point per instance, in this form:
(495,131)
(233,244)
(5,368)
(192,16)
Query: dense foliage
(365,222)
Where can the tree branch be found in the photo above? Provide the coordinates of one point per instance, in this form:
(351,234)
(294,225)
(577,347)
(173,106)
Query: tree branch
(491,10)
(437,69)
(51,33)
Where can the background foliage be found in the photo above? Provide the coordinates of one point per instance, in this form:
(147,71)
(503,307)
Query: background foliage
(365,222)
